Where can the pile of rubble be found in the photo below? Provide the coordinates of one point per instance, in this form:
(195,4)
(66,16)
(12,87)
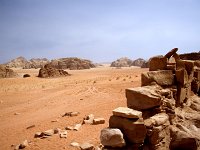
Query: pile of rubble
(162,114)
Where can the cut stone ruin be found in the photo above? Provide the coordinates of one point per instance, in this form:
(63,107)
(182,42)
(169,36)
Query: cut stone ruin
(162,114)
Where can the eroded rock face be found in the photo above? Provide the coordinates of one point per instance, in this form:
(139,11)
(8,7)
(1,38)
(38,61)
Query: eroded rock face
(6,72)
(72,63)
(49,72)
(122,62)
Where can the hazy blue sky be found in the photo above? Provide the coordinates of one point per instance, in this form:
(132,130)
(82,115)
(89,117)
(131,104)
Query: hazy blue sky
(100,30)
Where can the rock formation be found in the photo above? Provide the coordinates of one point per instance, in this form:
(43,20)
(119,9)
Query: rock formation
(122,62)
(138,62)
(49,72)
(164,112)
(22,62)
(72,63)
(18,62)
(6,72)
(36,63)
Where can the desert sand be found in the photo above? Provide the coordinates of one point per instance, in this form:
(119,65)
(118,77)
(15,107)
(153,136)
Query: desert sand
(36,101)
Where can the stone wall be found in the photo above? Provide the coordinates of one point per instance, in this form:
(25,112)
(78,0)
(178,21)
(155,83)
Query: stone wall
(164,112)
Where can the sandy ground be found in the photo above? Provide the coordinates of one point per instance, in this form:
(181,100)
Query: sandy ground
(38,101)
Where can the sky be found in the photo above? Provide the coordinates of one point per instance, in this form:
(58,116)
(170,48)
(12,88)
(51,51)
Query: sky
(99,30)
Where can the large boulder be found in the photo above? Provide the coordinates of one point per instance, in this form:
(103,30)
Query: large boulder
(162,77)
(72,63)
(48,72)
(6,72)
(112,137)
(122,62)
(141,98)
(133,129)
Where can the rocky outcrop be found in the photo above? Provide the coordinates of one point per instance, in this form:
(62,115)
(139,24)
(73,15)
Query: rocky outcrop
(138,62)
(18,62)
(122,62)
(22,62)
(49,72)
(36,63)
(6,72)
(169,103)
(72,63)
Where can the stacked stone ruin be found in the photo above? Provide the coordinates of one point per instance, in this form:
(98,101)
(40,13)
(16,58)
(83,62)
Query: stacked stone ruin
(149,121)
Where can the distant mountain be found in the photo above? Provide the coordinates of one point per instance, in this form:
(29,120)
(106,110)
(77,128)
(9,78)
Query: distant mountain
(72,63)
(138,62)
(21,62)
(122,62)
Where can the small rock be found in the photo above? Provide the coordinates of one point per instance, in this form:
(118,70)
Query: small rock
(32,126)
(57,131)
(17,147)
(38,135)
(127,112)
(63,134)
(23,144)
(75,144)
(98,121)
(26,75)
(71,114)
(77,127)
(48,132)
(69,128)
(88,119)
(1,102)
(56,120)
(86,146)
(112,137)
(16,113)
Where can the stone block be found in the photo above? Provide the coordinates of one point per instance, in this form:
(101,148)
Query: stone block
(181,95)
(197,74)
(158,63)
(182,76)
(182,140)
(188,65)
(160,119)
(127,112)
(171,53)
(141,98)
(162,77)
(112,137)
(134,130)
(158,134)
